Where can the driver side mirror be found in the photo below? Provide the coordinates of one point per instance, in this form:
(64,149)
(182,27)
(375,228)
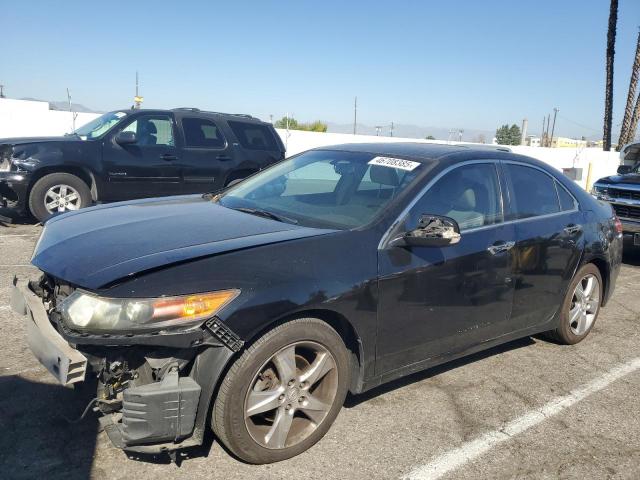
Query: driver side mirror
(623,169)
(432,231)
(126,138)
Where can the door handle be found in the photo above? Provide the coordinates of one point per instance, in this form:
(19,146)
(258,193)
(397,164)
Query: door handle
(168,157)
(572,229)
(223,158)
(500,246)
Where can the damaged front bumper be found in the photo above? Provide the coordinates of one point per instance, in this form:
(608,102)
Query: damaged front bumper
(14,187)
(154,398)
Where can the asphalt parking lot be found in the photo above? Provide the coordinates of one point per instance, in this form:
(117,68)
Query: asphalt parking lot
(529,409)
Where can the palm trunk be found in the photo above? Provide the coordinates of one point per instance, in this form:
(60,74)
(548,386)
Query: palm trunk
(608,100)
(626,133)
(634,121)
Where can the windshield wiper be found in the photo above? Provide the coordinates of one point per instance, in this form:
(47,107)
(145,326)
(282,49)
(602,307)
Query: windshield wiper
(266,214)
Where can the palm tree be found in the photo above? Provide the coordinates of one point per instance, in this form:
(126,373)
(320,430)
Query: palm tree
(626,132)
(611,50)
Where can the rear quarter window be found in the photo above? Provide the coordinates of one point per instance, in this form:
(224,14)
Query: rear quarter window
(254,136)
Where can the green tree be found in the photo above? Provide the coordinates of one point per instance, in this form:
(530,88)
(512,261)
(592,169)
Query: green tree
(292,124)
(508,135)
(429,137)
(286,122)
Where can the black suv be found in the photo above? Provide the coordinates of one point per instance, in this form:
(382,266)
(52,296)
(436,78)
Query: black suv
(128,154)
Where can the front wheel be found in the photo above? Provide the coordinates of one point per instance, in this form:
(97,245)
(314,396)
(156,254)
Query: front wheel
(581,306)
(282,395)
(58,193)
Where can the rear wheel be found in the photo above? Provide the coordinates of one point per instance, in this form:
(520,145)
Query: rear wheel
(282,395)
(581,306)
(58,193)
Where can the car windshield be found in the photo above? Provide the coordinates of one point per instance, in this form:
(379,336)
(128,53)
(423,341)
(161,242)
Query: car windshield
(324,189)
(100,125)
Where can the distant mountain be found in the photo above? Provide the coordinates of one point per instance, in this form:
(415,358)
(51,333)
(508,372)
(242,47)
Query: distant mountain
(64,105)
(415,131)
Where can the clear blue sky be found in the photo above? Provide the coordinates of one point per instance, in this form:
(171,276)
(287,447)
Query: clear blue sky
(473,64)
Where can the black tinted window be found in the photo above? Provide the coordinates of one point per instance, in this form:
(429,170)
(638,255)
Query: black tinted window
(254,136)
(567,202)
(534,192)
(199,132)
(469,194)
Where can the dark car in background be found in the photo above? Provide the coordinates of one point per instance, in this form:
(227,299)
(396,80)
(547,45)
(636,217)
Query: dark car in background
(130,154)
(254,311)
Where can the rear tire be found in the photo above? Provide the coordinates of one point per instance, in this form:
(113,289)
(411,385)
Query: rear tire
(58,193)
(581,306)
(283,393)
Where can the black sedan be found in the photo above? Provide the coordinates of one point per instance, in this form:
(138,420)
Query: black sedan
(254,311)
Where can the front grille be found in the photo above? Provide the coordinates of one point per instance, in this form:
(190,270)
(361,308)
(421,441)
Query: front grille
(626,194)
(627,211)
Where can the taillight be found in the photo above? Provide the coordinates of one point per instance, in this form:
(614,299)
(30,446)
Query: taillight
(617,224)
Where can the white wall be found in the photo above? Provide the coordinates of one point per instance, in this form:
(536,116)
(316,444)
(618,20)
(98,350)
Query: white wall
(20,118)
(602,163)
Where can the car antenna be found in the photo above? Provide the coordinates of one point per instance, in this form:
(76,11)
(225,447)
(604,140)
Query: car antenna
(74,115)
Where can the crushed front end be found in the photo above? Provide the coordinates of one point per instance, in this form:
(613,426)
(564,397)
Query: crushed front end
(154,387)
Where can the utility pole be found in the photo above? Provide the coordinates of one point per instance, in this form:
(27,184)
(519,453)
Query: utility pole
(555,113)
(74,115)
(355,114)
(546,134)
(523,137)
(542,134)
(1,91)
(271,118)
(137,99)
(391,129)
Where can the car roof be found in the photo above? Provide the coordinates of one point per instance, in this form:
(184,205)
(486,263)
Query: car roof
(194,111)
(414,150)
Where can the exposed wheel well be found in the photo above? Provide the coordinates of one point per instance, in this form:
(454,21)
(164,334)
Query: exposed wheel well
(604,273)
(238,174)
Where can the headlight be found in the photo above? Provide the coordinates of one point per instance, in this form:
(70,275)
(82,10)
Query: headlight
(600,192)
(86,311)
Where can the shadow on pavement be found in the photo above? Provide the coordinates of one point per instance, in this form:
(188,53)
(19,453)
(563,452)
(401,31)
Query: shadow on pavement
(36,440)
(355,400)
(11,217)
(631,254)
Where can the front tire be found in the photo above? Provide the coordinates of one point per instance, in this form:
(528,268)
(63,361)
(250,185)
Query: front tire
(581,306)
(58,193)
(283,393)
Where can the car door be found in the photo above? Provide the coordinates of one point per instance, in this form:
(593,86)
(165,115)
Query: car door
(439,300)
(206,155)
(146,168)
(549,241)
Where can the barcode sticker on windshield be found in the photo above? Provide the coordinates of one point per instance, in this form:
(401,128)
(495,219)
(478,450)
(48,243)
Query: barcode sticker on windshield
(407,165)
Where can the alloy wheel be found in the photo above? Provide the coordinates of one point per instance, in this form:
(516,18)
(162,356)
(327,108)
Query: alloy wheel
(291,395)
(584,304)
(61,198)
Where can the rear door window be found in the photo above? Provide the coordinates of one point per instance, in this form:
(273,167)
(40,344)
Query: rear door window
(533,192)
(254,136)
(202,133)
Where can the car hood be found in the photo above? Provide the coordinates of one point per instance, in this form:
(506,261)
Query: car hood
(26,140)
(98,246)
(629,178)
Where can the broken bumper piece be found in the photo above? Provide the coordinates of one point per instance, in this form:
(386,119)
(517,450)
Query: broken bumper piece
(161,413)
(65,363)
